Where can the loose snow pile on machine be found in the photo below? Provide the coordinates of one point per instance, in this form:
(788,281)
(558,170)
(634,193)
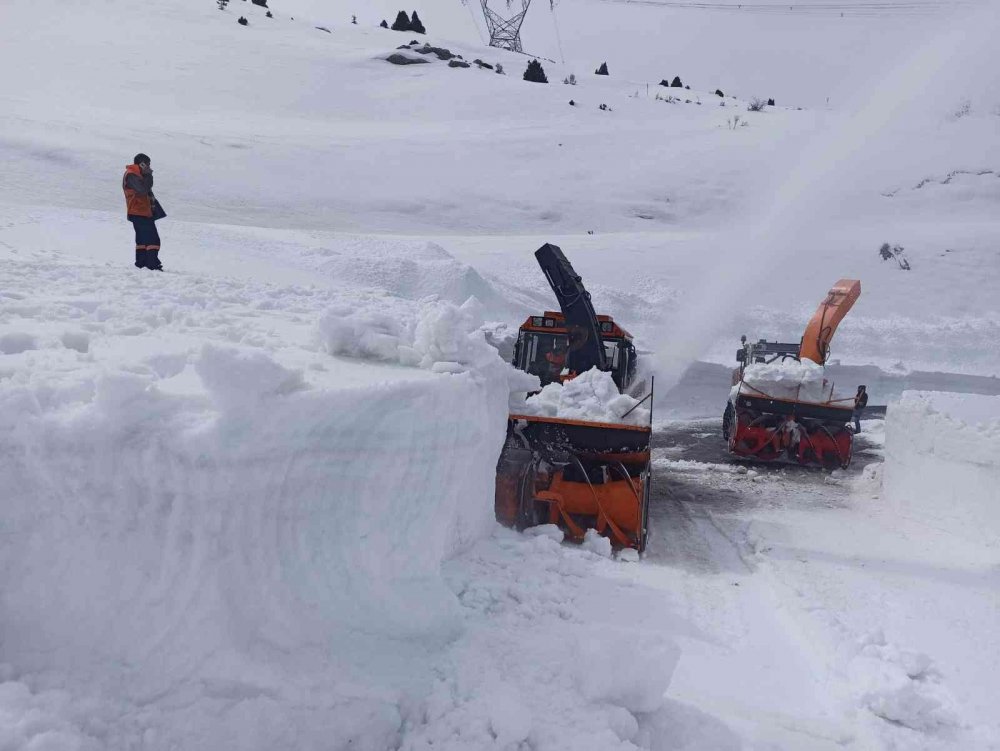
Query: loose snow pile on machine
(578,474)
(768,419)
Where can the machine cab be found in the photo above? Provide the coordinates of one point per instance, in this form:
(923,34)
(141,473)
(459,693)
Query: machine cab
(543,344)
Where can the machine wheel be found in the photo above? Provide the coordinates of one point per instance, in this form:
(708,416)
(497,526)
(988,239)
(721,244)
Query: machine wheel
(831,461)
(850,449)
(727,420)
(526,513)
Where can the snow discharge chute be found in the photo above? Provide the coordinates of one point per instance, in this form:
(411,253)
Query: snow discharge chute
(582,327)
(839,300)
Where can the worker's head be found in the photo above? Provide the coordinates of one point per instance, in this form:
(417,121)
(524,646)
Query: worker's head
(861,389)
(141,159)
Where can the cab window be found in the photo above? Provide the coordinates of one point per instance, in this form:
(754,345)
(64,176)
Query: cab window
(543,355)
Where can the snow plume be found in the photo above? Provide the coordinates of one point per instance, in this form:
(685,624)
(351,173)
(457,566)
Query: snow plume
(908,125)
(590,396)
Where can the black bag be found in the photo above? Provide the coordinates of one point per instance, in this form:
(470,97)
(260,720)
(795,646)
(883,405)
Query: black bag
(158,212)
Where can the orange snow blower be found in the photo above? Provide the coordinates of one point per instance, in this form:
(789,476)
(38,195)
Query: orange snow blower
(767,424)
(577,474)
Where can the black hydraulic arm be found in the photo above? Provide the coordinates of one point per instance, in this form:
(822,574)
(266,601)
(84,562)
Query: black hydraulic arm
(586,350)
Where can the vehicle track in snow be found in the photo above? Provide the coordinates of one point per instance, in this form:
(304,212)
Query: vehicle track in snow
(705,531)
(802,584)
(683,503)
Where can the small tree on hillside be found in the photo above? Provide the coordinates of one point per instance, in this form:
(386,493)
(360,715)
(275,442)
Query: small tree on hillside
(718,92)
(242,21)
(676,83)
(602,71)
(402,22)
(384,24)
(535,73)
(416,25)
(222,4)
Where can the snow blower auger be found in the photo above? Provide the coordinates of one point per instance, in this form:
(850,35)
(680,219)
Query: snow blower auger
(577,474)
(771,417)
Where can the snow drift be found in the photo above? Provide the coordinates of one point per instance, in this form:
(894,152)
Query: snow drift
(941,462)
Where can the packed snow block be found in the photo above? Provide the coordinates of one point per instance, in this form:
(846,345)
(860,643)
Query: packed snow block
(941,462)
(793,380)
(591,396)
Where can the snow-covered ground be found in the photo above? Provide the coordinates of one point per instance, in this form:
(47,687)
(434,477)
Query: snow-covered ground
(247,503)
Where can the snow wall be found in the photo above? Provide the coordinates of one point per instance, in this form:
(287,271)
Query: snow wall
(248,552)
(942,463)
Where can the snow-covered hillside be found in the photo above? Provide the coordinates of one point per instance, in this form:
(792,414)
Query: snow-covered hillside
(247,503)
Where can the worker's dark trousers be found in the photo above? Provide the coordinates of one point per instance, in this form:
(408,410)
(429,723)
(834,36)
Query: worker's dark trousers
(857,420)
(147,242)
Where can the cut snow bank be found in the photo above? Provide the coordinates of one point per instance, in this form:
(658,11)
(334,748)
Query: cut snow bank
(591,396)
(240,562)
(941,462)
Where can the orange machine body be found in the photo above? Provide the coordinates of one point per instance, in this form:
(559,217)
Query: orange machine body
(578,475)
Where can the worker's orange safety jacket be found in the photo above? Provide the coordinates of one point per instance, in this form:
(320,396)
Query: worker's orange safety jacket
(136,203)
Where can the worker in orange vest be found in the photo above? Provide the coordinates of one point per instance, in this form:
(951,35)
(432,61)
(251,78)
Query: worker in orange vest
(143,210)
